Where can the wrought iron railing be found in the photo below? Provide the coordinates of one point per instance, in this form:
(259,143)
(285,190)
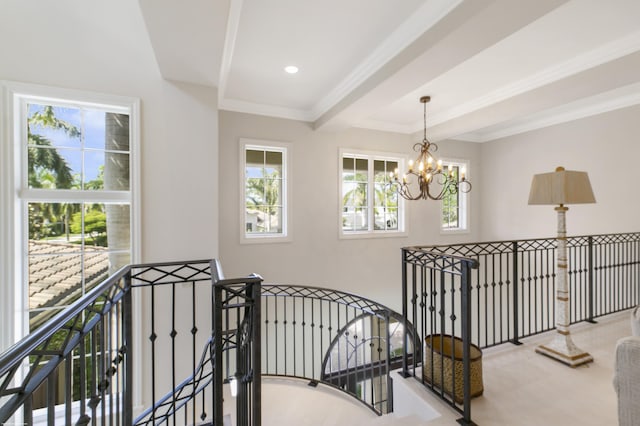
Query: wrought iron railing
(510,289)
(194,332)
(436,301)
(85,356)
(331,337)
(79,355)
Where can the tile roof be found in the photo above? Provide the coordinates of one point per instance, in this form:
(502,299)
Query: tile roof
(55,275)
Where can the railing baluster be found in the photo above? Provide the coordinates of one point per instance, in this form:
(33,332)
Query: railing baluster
(405,315)
(466,342)
(218,342)
(51,399)
(515,281)
(68,395)
(127,305)
(590,279)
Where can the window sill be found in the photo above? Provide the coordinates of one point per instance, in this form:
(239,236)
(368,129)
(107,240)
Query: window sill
(355,235)
(266,239)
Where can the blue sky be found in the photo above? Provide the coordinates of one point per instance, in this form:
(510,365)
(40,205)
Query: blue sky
(91,125)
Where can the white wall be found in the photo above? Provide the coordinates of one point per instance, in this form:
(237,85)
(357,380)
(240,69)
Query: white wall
(103,47)
(316,256)
(607,146)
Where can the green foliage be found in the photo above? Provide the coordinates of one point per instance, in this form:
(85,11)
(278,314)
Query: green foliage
(98,182)
(47,118)
(95,225)
(263,195)
(47,169)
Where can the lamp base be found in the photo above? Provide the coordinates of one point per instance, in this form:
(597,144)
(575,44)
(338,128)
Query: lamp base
(562,349)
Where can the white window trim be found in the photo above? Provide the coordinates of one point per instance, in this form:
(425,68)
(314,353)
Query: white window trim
(13,267)
(402,214)
(464,203)
(286,235)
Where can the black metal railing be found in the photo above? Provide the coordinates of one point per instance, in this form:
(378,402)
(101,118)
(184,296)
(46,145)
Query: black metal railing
(511,289)
(79,355)
(194,334)
(436,302)
(331,337)
(514,285)
(237,329)
(85,356)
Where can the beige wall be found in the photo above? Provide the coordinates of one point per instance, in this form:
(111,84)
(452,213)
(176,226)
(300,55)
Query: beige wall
(316,256)
(607,146)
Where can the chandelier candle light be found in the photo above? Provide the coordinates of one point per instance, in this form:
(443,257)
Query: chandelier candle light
(429,171)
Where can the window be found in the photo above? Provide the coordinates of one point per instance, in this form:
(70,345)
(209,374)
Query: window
(369,204)
(265,188)
(453,217)
(69,177)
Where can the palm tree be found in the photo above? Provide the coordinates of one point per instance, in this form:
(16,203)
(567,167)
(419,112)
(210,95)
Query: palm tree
(46,168)
(263,195)
(384,195)
(116,178)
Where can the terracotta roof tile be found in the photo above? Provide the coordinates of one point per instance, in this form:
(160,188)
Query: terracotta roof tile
(55,274)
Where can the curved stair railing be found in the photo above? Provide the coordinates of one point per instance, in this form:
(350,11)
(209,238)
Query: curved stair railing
(176,333)
(332,337)
(166,407)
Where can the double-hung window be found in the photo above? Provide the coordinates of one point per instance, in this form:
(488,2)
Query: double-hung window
(265,181)
(369,204)
(68,185)
(454,207)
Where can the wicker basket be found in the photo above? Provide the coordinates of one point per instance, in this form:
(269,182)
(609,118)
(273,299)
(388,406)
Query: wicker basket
(443,356)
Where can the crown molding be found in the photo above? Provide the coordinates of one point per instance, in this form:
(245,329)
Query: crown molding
(263,109)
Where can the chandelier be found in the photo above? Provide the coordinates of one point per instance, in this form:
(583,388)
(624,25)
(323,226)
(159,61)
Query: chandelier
(426,177)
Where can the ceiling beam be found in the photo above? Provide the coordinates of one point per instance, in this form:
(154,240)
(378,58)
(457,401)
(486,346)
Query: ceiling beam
(467,30)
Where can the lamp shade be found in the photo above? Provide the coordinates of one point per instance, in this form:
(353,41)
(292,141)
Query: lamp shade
(561,187)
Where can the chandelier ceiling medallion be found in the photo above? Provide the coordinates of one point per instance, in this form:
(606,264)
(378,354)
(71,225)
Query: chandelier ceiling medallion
(426,178)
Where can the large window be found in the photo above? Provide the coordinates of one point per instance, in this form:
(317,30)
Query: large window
(453,212)
(264,183)
(68,180)
(369,204)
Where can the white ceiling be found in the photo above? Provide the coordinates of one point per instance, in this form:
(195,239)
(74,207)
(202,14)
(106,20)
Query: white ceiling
(492,67)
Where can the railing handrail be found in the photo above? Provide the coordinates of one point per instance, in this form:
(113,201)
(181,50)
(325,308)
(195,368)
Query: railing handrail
(16,353)
(430,250)
(435,247)
(367,309)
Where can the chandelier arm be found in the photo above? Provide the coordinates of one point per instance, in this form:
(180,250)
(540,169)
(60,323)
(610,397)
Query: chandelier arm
(467,184)
(429,170)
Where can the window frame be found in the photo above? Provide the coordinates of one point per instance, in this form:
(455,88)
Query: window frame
(463,202)
(370,156)
(286,150)
(15,196)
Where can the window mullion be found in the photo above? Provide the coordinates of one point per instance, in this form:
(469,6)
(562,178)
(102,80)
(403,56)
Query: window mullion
(74,195)
(370,195)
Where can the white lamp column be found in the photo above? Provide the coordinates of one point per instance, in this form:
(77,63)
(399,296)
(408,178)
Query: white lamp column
(562,347)
(562,187)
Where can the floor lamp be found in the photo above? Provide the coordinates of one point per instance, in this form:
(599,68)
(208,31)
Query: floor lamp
(560,188)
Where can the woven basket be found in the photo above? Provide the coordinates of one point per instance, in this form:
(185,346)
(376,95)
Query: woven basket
(443,356)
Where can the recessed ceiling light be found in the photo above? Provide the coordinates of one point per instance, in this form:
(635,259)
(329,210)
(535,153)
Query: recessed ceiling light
(291,69)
